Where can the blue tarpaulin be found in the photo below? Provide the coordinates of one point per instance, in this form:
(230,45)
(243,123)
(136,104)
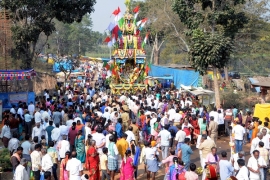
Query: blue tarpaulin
(253,80)
(12,98)
(180,76)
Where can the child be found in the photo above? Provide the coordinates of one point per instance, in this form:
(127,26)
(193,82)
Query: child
(191,175)
(43,142)
(104,164)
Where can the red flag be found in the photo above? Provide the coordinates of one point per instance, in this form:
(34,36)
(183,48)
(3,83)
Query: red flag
(136,9)
(115,32)
(108,39)
(144,20)
(116,12)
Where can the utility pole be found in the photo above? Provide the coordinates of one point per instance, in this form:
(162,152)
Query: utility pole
(79,48)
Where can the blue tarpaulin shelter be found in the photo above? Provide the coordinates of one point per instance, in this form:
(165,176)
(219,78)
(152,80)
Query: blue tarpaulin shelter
(180,76)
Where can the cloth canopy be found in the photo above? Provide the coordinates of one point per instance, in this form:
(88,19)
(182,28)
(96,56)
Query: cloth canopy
(261,111)
(17,74)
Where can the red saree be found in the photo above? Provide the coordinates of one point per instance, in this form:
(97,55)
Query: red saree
(92,163)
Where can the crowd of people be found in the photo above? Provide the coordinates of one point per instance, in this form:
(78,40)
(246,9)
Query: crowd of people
(92,134)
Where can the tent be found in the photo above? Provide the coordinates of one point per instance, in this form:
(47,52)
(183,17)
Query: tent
(206,96)
(261,111)
(180,76)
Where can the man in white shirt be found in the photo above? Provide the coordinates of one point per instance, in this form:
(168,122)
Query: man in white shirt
(243,172)
(20,112)
(130,134)
(63,147)
(46,161)
(70,121)
(37,131)
(100,140)
(165,137)
(171,113)
(31,108)
(179,138)
(36,161)
(38,116)
(21,172)
(266,139)
(106,115)
(177,117)
(256,165)
(12,110)
(74,167)
(239,134)
(45,115)
(255,142)
(214,113)
(235,158)
(55,135)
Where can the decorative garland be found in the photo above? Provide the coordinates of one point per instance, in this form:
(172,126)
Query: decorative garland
(17,75)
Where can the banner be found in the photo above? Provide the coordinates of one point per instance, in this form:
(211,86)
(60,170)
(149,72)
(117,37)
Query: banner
(16,98)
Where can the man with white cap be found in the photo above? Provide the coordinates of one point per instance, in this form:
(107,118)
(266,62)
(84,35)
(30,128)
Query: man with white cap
(21,172)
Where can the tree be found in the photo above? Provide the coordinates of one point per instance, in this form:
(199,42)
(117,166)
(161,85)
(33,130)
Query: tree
(212,25)
(67,65)
(32,17)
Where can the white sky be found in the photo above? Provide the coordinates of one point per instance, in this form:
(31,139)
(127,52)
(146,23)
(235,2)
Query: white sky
(103,13)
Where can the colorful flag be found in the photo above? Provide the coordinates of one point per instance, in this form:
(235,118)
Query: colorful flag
(145,40)
(136,11)
(116,12)
(121,22)
(108,39)
(111,26)
(143,23)
(115,31)
(106,65)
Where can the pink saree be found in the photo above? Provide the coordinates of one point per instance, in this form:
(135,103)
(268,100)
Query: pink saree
(127,170)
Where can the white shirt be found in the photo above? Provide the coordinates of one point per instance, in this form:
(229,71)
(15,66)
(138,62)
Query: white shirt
(177,117)
(87,131)
(215,115)
(220,118)
(35,160)
(171,112)
(64,130)
(20,173)
(5,132)
(254,144)
(243,174)
(13,111)
(253,163)
(64,146)
(26,145)
(239,132)
(74,166)
(180,136)
(165,137)
(31,108)
(20,112)
(150,153)
(99,138)
(106,115)
(37,117)
(37,132)
(130,136)
(69,123)
(235,157)
(265,140)
(152,122)
(107,140)
(13,144)
(55,134)
(45,115)
(46,163)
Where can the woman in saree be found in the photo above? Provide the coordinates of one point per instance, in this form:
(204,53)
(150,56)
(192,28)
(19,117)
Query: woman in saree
(202,124)
(176,171)
(255,129)
(92,161)
(63,171)
(127,168)
(80,147)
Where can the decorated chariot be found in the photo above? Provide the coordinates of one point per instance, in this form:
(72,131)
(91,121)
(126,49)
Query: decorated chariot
(128,65)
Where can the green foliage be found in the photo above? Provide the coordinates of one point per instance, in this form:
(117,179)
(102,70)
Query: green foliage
(33,17)
(209,49)
(5,159)
(212,26)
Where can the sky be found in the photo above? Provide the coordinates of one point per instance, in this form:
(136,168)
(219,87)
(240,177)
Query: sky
(103,13)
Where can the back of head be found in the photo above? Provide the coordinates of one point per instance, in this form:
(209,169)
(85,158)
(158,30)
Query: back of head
(187,140)
(36,139)
(224,154)
(74,154)
(261,144)
(51,143)
(192,167)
